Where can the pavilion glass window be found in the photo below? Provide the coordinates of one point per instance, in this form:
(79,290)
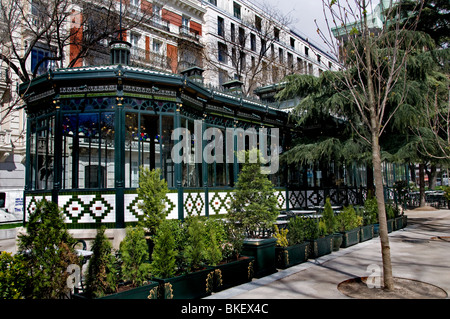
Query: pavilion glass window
(88,146)
(42,152)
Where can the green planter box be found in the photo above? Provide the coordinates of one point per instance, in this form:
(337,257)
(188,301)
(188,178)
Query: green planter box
(233,273)
(350,237)
(390,225)
(263,250)
(149,291)
(405,221)
(366,232)
(399,222)
(193,285)
(337,241)
(376,230)
(321,246)
(291,255)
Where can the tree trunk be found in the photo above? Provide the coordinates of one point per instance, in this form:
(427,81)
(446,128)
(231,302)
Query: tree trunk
(422,184)
(382,219)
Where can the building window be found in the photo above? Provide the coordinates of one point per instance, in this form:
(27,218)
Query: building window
(258,23)
(281,55)
(242,36)
(156,47)
(318,58)
(233,32)
(222,52)
(223,77)
(330,65)
(276,34)
(37,55)
(157,10)
(220,26)
(94,176)
(136,3)
(253,42)
(263,47)
(214,2)
(290,58)
(306,51)
(292,43)
(237,10)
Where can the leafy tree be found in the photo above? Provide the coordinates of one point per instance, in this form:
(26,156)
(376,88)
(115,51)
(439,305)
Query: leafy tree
(101,278)
(254,205)
(47,251)
(369,90)
(152,190)
(134,254)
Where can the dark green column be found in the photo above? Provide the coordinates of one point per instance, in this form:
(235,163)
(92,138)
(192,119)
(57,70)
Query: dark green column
(205,170)
(178,167)
(57,155)
(119,159)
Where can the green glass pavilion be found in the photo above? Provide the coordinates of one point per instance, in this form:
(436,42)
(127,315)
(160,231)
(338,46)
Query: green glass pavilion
(90,129)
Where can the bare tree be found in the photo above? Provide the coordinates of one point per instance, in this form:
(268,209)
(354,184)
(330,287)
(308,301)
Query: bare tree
(248,51)
(59,33)
(374,60)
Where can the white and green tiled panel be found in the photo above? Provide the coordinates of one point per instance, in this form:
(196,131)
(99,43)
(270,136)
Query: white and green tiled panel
(133,213)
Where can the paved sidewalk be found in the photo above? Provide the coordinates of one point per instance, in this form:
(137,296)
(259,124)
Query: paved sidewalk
(414,254)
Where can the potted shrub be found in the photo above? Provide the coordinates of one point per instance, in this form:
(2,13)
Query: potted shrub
(152,191)
(349,225)
(447,195)
(330,224)
(253,211)
(370,218)
(390,215)
(102,276)
(46,252)
(180,272)
(320,243)
(230,267)
(291,247)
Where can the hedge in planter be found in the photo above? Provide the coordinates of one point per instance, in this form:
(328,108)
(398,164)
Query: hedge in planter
(291,250)
(319,243)
(223,255)
(253,212)
(349,225)
(178,263)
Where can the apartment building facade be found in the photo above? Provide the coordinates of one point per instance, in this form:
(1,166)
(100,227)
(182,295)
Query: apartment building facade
(252,44)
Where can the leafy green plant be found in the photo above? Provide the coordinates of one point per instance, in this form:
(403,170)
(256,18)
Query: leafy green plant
(47,250)
(296,234)
(194,252)
(390,212)
(254,205)
(134,254)
(13,276)
(311,228)
(152,191)
(370,211)
(101,278)
(281,236)
(164,257)
(214,240)
(328,218)
(447,192)
(348,219)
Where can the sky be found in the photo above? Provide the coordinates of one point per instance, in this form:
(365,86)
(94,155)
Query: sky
(303,14)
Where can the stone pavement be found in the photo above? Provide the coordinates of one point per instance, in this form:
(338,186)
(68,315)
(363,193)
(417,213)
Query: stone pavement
(415,254)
